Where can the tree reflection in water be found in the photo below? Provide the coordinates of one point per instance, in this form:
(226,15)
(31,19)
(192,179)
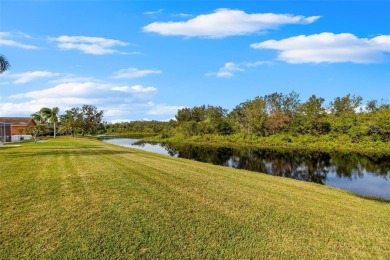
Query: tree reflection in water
(368,175)
(300,165)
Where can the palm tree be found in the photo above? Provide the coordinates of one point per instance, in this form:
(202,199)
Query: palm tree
(4,64)
(39,117)
(71,121)
(51,115)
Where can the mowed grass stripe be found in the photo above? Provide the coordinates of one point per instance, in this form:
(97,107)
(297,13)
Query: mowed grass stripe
(80,198)
(293,202)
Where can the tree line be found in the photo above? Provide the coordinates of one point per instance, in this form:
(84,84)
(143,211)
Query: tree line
(78,120)
(273,114)
(262,116)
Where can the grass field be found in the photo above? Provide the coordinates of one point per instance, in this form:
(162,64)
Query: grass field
(81,198)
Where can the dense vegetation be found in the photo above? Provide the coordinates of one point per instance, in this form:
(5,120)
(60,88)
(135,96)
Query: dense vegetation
(277,119)
(84,120)
(140,127)
(78,198)
(274,120)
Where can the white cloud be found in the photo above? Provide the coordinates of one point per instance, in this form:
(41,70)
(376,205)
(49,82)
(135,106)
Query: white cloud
(164,110)
(329,47)
(135,89)
(117,101)
(31,106)
(70,78)
(138,92)
(113,112)
(130,73)
(227,22)
(154,12)
(183,15)
(230,68)
(89,45)
(227,71)
(85,89)
(128,111)
(106,96)
(133,102)
(23,108)
(6,40)
(382,42)
(71,89)
(25,77)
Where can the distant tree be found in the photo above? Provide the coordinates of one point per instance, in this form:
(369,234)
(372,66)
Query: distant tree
(343,117)
(216,120)
(36,131)
(281,109)
(372,105)
(39,117)
(249,117)
(203,120)
(379,123)
(311,117)
(91,119)
(346,104)
(71,121)
(51,116)
(4,64)
(184,115)
(277,122)
(20,131)
(196,114)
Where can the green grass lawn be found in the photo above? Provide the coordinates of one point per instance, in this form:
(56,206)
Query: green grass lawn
(81,198)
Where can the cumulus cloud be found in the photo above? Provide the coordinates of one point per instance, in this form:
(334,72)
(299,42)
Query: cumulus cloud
(129,110)
(70,89)
(135,89)
(89,45)
(227,22)
(25,77)
(164,110)
(73,78)
(31,106)
(230,68)
(70,94)
(227,71)
(7,39)
(116,101)
(113,112)
(330,48)
(131,73)
(83,89)
(183,15)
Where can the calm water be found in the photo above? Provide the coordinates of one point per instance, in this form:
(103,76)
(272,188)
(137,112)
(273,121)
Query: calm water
(359,174)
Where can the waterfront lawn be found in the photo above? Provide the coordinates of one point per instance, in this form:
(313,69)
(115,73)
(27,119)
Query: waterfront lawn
(81,198)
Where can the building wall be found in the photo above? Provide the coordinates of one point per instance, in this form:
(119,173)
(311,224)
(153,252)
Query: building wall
(17,138)
(15,128)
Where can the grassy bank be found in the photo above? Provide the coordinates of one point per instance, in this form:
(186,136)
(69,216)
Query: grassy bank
(325,143)
(81,198)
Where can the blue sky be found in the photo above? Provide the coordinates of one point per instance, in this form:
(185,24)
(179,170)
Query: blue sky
(143,60)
